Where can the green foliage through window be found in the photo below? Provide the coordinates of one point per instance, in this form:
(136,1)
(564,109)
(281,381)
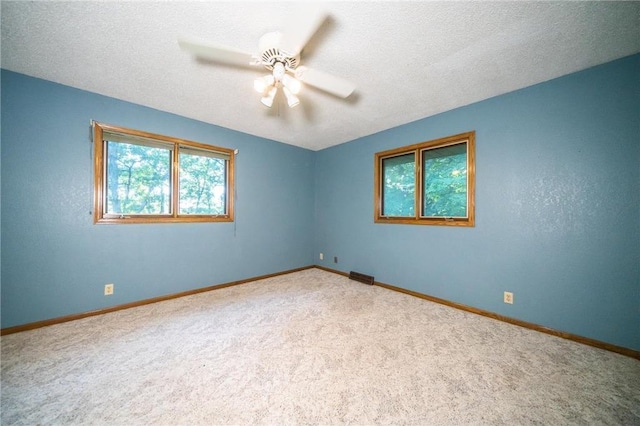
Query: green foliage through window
(138,179)
(202,184)
(399,185)
(445,181)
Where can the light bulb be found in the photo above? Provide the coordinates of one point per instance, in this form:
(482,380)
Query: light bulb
(268,100)
(261,84)
(292,99)
(291,84)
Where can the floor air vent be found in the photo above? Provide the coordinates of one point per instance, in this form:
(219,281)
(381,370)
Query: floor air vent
(357,276)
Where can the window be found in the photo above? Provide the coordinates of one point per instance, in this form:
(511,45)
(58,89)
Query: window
(142,177)
(431,183)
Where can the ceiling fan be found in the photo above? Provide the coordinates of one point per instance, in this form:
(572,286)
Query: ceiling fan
(280,54)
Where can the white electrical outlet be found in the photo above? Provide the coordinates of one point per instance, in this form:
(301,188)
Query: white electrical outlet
(508,297)
(321,256)
(108,289)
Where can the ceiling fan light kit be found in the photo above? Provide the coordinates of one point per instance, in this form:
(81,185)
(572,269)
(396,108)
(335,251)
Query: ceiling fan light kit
(280,54)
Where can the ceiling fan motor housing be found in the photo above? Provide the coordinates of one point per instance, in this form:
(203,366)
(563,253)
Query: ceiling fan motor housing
(270,52)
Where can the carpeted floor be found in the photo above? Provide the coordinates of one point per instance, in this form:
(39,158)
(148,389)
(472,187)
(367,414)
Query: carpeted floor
(309,347)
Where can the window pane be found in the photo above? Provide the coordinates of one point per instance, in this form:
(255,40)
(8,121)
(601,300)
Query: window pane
(138,179)
(398,185)
(202,185)
(445,181)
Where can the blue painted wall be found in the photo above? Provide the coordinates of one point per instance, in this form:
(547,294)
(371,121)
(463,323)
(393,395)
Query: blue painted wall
(557,207)
(55,261)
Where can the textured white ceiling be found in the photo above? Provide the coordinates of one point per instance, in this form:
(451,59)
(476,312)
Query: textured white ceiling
(409,60)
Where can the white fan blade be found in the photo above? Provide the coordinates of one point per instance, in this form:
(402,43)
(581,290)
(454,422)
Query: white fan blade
(296,35)
(222,54)
(323,81)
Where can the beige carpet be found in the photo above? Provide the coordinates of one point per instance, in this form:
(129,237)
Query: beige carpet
(309,347)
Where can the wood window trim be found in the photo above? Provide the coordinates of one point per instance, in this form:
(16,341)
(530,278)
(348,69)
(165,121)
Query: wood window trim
(469,221)
(174,217)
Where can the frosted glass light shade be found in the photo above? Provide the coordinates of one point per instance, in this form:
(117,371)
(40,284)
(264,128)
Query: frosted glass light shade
(268,99)
(292,99)
(291,83)
(262,83)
